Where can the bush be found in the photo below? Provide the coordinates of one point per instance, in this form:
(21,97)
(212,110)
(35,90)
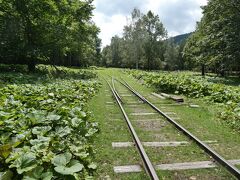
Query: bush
(196,87)
(46,129)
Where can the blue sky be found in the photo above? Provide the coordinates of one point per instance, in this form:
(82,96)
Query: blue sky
(178,16)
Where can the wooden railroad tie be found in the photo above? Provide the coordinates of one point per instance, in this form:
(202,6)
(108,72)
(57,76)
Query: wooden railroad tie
(174,166)
(178,99)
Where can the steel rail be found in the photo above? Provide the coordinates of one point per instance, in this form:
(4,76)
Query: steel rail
(231,168)
(113,86)
(147,163)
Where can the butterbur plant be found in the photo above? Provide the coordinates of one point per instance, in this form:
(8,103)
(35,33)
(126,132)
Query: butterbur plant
(196,87)
(46,130)
(231,115)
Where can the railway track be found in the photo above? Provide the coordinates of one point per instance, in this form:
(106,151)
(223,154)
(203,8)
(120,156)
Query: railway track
(148,165)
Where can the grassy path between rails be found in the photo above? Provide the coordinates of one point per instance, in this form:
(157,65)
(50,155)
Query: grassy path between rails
(201,122)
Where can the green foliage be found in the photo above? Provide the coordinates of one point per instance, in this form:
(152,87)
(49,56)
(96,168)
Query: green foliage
(142,44)
(156,33)
(217,37)
(171,56)
(196,87)
(56,32)
(43,73)
(231,115)
(46,129)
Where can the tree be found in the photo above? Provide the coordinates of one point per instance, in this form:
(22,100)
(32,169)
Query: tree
(142,44)
(52,31)
(134,35)
(156,33)
(171,56)
(116,51)
(107,56)
(196,49)
(216,40)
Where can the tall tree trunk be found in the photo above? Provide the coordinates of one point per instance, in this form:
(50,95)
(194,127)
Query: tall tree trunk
(222,73)
(31,65)
(149,64)
(137,63)
(203,69)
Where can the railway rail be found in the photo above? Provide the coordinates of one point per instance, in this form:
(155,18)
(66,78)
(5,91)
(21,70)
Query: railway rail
(149,168)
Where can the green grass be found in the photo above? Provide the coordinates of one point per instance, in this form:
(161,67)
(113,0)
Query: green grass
(202,122)
(113,129)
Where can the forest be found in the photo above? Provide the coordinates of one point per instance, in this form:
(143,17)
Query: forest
(63,33)
(48,32)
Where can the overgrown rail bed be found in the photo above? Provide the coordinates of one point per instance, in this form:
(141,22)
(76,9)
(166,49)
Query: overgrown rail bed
(145,159)
(165,146)
(212,89)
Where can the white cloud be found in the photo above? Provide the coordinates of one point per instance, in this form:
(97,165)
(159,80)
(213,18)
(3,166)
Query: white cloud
(109,26)
(178,16)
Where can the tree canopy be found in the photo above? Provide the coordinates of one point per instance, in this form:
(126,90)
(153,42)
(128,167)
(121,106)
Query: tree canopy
(49,31)
(142,44)
(215,43)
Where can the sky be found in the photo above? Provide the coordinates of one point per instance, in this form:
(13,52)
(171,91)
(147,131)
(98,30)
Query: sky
(177,16)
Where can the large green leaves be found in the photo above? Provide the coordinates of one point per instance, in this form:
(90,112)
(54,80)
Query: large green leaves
(38,173)
(73,167)
(41,130)
(62,159)
(25,162)
(47,125)
(6,175)
(66,166)
(195,86)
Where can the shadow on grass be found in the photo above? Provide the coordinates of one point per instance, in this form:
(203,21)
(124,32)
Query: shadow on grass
(18,74)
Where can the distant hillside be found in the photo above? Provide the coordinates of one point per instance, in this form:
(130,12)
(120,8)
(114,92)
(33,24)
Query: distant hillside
(180,38)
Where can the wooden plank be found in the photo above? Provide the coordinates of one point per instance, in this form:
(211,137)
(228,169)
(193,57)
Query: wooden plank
(155,144)
(174,166)
(158,95)
(164,144)
(194,106)
(122,144)
(170,113)
(126,95)
(188,165)
(124,91)
(116,120)
(127,169)
(176,118)
(147,120)
(162,107)
(143,114)
(134,103)
(175,104)
(177,98)
(173,97)
(192,165)
(165,95)
(109,102)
